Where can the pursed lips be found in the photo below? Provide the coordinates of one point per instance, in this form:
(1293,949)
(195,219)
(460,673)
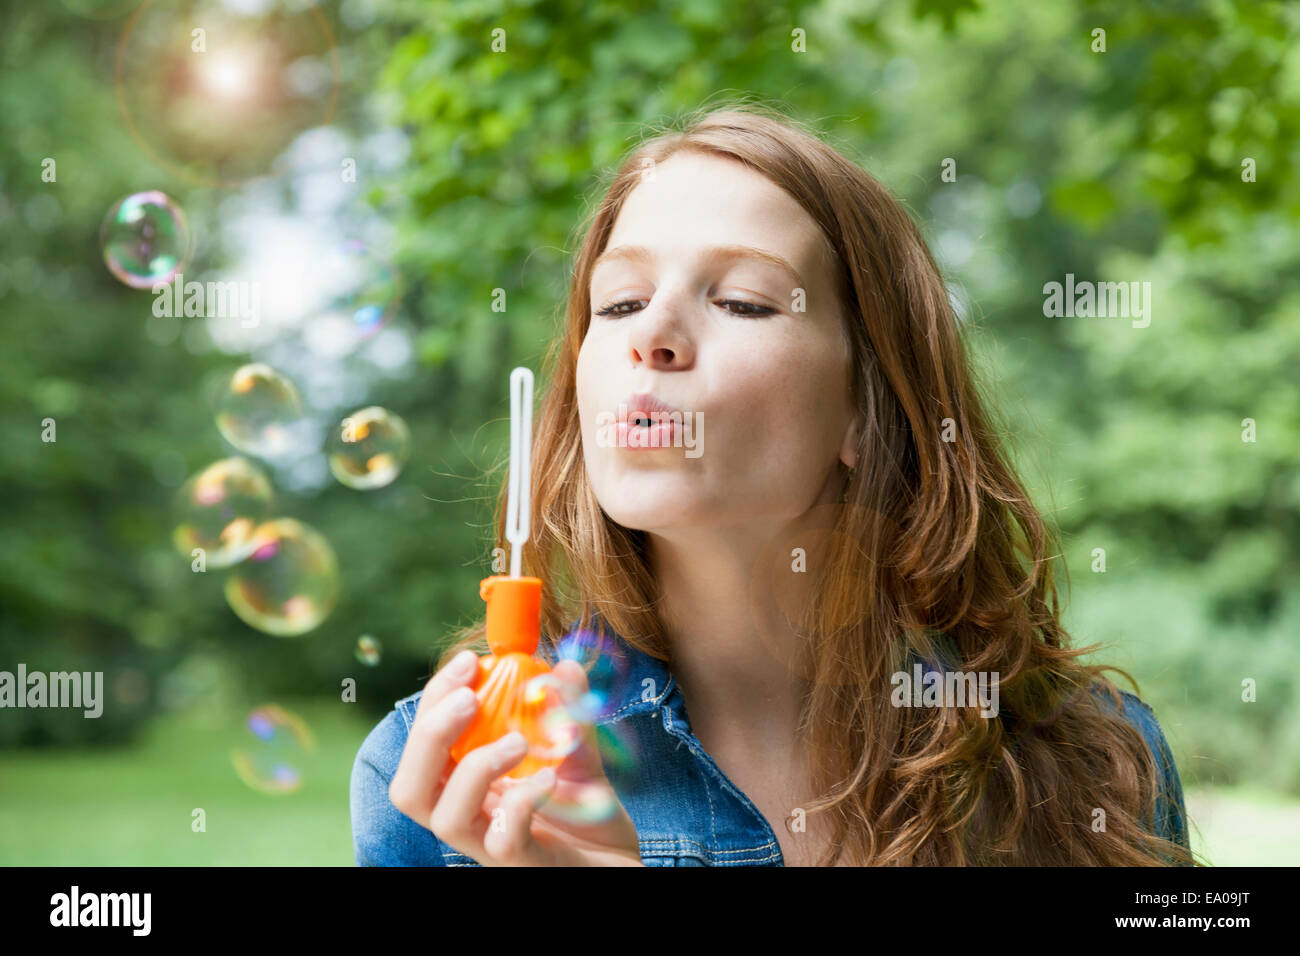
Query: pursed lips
(643,406)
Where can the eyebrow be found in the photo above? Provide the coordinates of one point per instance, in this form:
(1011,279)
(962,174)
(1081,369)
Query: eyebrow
(714,253)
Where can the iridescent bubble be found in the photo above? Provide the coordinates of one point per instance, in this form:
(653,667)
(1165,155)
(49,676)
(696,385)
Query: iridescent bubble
(217,510)
(359,292)
(368,650)
(607,666)
(575,802)
(289,582)
(273,756)
(618,749)
(368,448)
(145,239)
(557,732)
(261,412)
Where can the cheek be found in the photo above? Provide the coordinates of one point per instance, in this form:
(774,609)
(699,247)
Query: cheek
(582,380)
(771,382)
(784,405)
(587,389)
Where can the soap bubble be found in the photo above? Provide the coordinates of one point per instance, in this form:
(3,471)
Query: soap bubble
(575,802)
(607,665)
(213,91)
(289,582)
(551,723)
(359,292)
(218,508)
(261,412)
(619,752)
(368,650)
(368,448)
(272,758)
(554,737)
(145,239)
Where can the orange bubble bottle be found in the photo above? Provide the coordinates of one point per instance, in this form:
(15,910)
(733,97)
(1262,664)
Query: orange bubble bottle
(511,684)
(507,698)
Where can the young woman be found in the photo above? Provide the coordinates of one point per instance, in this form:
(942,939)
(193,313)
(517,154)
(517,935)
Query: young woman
(826,597)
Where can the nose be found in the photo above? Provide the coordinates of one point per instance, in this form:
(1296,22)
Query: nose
(658,339)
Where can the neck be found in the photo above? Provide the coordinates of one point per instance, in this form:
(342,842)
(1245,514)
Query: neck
(731,644)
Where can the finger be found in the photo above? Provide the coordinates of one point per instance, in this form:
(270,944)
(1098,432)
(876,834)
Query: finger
(459,672)
(509,840)
(417,783)
(458,819)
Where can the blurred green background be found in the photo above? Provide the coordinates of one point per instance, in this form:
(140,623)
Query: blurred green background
(473,168)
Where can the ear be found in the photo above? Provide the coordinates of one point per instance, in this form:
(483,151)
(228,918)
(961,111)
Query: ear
(849,447)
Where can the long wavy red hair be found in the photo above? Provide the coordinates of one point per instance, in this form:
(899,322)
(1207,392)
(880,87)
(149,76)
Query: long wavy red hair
(937,550)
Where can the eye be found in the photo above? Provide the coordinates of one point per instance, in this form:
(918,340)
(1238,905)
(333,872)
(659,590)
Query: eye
(612,309)
(745,308)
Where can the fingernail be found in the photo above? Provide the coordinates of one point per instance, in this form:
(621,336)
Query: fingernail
(545,777)
(508,750)
(464,663)
(462,701)
(512,743)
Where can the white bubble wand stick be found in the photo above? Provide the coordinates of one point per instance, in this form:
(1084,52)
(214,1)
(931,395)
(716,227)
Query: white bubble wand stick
(518,501)
(514,619)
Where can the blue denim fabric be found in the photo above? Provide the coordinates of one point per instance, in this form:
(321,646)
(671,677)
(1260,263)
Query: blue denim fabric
(686,811)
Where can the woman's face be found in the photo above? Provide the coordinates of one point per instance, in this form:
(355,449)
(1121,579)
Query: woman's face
(706,319)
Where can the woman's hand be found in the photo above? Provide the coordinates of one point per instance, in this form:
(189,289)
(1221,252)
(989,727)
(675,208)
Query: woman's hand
(459,802)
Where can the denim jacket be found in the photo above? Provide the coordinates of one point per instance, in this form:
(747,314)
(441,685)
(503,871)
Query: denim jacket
(686,811)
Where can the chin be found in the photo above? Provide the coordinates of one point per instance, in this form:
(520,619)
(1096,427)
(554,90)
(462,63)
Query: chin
(650,516)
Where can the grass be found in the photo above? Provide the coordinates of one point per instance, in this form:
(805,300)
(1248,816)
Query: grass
(133,806)
(1244,827)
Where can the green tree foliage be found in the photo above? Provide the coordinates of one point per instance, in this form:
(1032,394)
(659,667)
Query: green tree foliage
(1165,158)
